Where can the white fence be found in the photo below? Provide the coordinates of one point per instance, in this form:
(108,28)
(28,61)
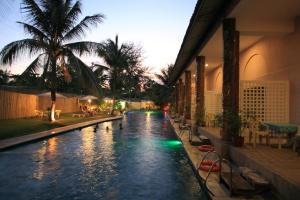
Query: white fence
(266,100)
(213,102)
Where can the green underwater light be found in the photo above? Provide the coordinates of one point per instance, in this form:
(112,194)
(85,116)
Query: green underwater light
(172,143)
(149,112)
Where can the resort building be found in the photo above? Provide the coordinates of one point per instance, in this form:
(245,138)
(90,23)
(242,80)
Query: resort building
(242,56)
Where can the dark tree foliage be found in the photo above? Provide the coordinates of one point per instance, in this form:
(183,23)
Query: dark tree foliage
(123,65)
(160,90)
(4,77)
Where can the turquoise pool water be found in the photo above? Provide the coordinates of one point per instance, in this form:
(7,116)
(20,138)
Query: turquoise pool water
(144,160)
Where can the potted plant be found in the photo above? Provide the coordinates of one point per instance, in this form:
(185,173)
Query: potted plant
(200,119)
(218,122)
(234,127)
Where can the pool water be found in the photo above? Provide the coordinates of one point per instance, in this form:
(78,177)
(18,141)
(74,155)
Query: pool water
(144,160)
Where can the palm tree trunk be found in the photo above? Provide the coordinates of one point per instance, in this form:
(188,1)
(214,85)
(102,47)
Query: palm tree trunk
(53,100)
(53,90)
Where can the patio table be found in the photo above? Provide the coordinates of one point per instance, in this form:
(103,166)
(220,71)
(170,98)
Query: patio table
(281,129)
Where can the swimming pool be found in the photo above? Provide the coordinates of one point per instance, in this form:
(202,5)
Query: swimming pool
(144,160)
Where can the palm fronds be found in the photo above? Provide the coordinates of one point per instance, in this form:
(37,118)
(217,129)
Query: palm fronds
(13,50)
(79,30)
(50,23)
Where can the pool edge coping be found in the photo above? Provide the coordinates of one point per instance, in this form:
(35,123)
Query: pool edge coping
(21,140)
(194,168)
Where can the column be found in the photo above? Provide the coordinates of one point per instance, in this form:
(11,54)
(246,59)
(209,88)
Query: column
(200,76)
(230,72)
(181,97)
(177,98)
(188,95)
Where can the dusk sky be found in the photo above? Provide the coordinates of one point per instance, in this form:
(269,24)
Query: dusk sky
(156,25)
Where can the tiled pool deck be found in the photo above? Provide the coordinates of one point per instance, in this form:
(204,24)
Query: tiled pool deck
(219,191)
(280,166)
(12,142)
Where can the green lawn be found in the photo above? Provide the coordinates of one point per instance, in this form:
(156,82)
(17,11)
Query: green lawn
(18,127)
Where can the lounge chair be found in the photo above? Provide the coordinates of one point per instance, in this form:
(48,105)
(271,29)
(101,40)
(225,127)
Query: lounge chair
(86,111)
(40,114)
(78,115)
(183,126)
(178,119)
(83,113)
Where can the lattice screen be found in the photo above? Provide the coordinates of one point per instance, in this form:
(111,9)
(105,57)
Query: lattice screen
(213,102)
(267,100)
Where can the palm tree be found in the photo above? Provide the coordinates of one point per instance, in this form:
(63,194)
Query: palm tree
(162,89)
(119,59)
(100,72)
(52,26)
(165,76)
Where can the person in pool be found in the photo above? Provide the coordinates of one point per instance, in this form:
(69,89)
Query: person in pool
(120,126)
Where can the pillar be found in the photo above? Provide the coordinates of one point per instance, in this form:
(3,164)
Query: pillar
(177,98)
(180,98)
(230,72)
(188,95)
(200,76)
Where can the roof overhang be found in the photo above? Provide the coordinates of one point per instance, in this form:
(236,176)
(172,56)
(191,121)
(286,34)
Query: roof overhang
(207,17)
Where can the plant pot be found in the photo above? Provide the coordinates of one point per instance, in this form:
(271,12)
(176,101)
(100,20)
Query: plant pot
(238,141)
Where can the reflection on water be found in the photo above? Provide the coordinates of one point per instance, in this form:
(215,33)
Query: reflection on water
(106,141)
(39,172)
(52,147)
(148,122)
(87,147)
(144,160)
(87,176)
(98,167)
(47,152)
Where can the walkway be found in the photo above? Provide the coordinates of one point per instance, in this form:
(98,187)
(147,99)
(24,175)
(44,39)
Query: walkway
(219,191)
(280,166)
(12,142)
